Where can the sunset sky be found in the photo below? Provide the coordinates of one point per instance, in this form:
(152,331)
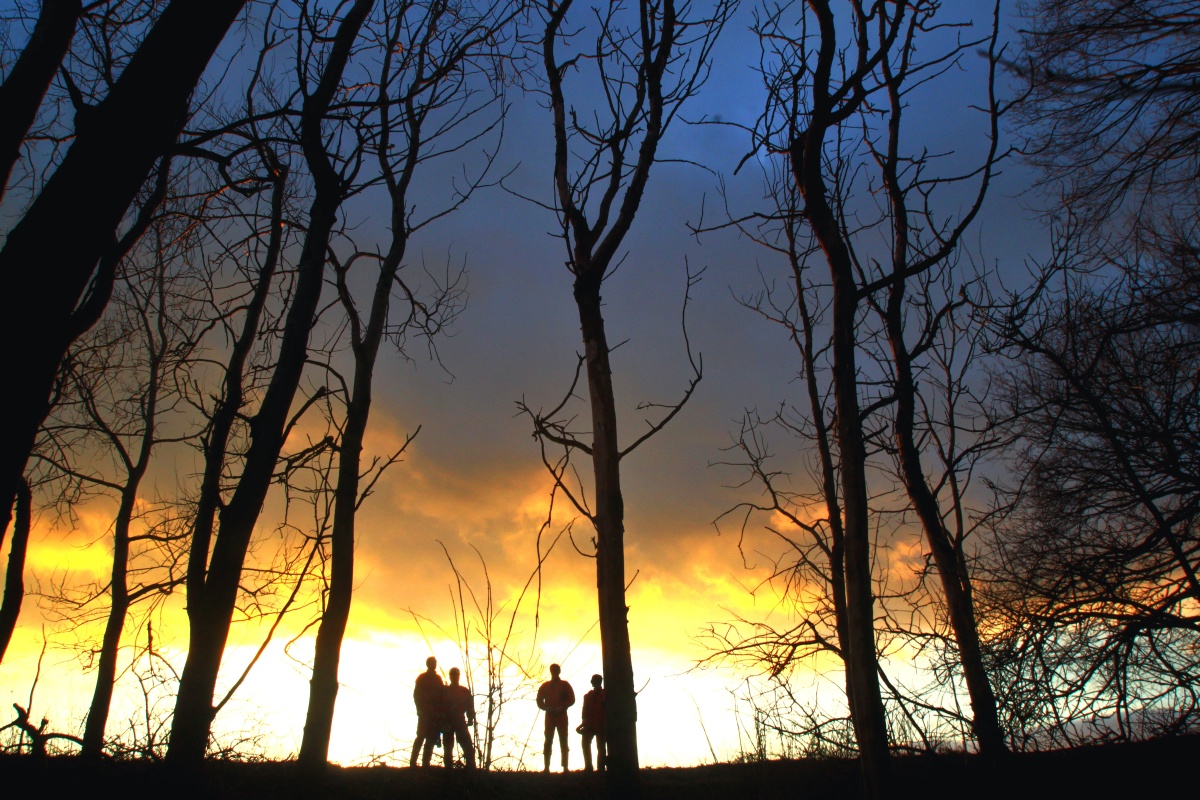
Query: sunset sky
(473,478)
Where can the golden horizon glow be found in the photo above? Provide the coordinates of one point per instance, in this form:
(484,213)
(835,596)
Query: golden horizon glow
(403,610)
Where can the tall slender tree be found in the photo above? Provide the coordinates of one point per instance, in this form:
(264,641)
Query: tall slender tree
(433,92)
(648,61)
(123,382)
(213,580)
(825,73)
(816,82)
(923,250)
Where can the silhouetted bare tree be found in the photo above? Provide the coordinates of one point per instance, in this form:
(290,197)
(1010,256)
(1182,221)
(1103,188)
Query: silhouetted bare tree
(812,572)
(813,87)
(213,582)
(827,72)
(1102,554)
(433,89)
(121,381)
(645,62)
(116,144)
(924,247)
(25,85)
(1113,94)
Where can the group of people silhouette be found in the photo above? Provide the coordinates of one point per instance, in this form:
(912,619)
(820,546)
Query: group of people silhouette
(445,710)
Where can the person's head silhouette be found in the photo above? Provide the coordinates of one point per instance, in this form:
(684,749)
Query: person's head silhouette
(597,680)
(431,663)
(555,670)
(454,673)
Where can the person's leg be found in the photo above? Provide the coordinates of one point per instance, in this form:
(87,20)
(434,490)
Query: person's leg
(601,752)
(463,734)
(448,741)
(422,737)
(549,742)
(431,737)
(562,741)
(587,752)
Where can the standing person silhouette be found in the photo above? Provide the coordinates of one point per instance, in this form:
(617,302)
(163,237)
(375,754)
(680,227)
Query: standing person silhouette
(554,697)
(460,707)
(593,725)
(429,695)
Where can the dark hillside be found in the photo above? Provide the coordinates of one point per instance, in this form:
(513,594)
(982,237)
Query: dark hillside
(1126,770)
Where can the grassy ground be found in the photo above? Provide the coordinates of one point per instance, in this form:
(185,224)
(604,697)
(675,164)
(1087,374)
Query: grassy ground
(1132,772)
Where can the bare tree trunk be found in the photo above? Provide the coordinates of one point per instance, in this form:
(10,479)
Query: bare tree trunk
(862,665)
(318,723)
(22,91)
(106,669)
(819,430)
(215,450)
(840,62)
(48,274)
(216,443)
(955,580)
(210,611)
(323,688)
(660,68)
(608,517)
(858,648)
(910,262)
(829,486)
(14,581)
(415,69)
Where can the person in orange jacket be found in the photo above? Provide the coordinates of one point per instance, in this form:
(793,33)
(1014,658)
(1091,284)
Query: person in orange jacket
(554,697)
(460,712)
(593,725)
